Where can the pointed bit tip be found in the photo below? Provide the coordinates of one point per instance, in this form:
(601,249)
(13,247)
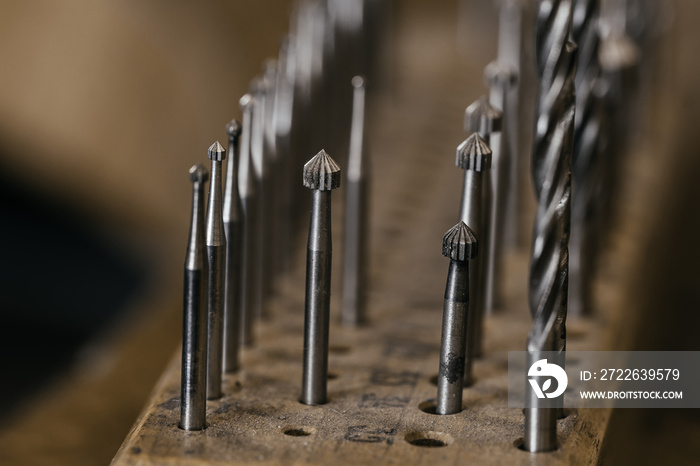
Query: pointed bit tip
(482,116)
(474,154)
(460,243)
(233,128)
(198,173)
(216,152)
(321,172)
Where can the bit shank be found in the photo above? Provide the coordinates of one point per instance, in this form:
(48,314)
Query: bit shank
(355,242)
(216,258)
(551,172)
(321,175)
(232,218)
(249,210)
(460,245)
(474,157)
(193,394)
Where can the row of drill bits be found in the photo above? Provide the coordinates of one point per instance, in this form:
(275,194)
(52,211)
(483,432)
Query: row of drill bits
(236,252)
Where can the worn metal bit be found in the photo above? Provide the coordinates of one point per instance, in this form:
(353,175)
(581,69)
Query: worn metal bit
(586,155)
(474,157)
(233,227)
(460,245)
(483,118)
(551,173)
(355,241)
(321,175)
(216,258)
(249,209)
(193,391)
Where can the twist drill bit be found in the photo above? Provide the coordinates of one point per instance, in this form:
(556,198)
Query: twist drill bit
(355,242)
(321,175)
(585,160)
(216,258)
(481,117)
(551,172)
(460,245)
(233,227)
(249,208)
(474,157)
(193,394)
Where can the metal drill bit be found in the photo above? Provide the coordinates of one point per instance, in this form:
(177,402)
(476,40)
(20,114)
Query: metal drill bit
(585,160)
(483,118)
(216,258)
(501,78)
(321,175)
(233,227)
(355,241)
(193,391)
(551,172)
(474,157)
(460,245)
(261,169)
(249,208)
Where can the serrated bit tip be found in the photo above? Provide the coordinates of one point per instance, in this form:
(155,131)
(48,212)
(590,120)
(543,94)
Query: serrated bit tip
(460,243)
(198,174)
(482,116)
(321,172)
(233,128)
(474,154)
(216,152)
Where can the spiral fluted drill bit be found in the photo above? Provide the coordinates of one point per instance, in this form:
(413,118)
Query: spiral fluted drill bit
(321,175)
(585,161)
(193,394)
(551,172)
(483,118)
(460,245)
(233,227)
(355,240)
(251,241)
(216,258)
(474,157)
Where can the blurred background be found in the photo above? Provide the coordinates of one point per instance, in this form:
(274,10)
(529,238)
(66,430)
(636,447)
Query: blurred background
(105,105)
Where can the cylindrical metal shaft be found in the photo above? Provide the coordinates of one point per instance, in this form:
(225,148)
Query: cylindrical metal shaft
(249,209)
(355,238)
(216,258)
(193,392)
(233,226)
(474,157)
(460,245)
(321,174)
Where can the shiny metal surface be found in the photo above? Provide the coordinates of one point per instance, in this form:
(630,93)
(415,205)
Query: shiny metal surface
(551,173)
(216,262)
(356,215)
(232,216)
(321,175)
(249,209)
(193,394)
(474,157)
(460,245)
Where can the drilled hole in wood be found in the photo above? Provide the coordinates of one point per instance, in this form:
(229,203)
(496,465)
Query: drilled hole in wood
(428,406)
(429,439)
(332,376)
(433,379)
(298,431)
